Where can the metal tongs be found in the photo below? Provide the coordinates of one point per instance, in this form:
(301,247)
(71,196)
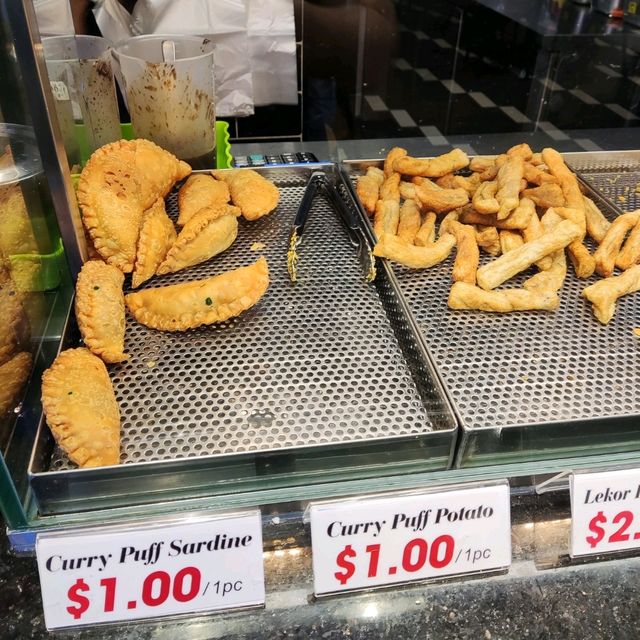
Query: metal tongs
(319,182)
(316,180)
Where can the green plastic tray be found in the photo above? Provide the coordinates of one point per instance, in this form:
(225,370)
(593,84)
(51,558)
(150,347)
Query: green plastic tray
(37,272)
(224,159)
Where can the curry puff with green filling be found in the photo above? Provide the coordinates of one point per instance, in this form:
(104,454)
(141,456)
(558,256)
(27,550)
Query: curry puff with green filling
(81,409)
(192,304)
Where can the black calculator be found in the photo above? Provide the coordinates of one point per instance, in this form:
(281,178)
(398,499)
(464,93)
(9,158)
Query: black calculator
(259,160)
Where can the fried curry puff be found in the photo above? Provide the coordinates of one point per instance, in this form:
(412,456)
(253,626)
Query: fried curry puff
(119,182)
(81,409)
(100,310)
(250,191)
(157,236)
(206,234)
(192,304)
(199,191)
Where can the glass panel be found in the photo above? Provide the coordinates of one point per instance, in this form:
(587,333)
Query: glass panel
(34,279)
(383,69)
(433,74)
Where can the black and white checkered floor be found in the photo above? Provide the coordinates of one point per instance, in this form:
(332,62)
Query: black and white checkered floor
(438,88)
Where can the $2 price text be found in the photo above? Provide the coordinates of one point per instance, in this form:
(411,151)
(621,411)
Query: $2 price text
(616,530)
(605,511)
(122,574)
(409,537)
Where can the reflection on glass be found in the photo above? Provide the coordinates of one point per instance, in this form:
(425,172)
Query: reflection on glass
(16,238)
(30,261)
(415,69)
(15,358)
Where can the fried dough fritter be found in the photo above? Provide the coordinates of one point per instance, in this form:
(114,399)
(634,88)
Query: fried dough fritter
(604,293)
(468,296)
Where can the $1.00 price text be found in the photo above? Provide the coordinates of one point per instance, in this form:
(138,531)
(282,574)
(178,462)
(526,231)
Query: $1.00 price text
(397,539)
(605,510)
(417,554)
(158,588)
(150,572)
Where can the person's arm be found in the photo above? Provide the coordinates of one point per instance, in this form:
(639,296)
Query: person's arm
(79,10)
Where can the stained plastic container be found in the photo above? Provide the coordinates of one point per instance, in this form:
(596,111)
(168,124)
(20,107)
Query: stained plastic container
(81,78)
(168,81)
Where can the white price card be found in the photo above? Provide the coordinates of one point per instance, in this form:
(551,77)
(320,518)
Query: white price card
(147,571)
(359,544)
(605,511)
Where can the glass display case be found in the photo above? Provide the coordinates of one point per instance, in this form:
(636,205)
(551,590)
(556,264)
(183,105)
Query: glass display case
(334,385)
(301,396)
(37,266)
(356,379)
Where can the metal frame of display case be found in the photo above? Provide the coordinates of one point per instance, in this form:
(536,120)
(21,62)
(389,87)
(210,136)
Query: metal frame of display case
(425,428)
(29,55)
(282,506)
(20,19)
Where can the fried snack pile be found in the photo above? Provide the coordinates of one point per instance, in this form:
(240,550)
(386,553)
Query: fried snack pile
(119,182)
(121,195)
(522,208)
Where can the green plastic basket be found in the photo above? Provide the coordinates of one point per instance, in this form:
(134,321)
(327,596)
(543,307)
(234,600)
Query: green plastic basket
(37,272)
(224,159)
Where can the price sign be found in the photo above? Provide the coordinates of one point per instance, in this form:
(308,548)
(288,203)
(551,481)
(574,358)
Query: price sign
(368,543)
(150,571)
(605,511)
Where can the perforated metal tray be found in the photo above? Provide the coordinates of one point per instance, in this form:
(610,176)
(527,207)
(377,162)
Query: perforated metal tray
(614,174)
(329,365)
(533,384)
